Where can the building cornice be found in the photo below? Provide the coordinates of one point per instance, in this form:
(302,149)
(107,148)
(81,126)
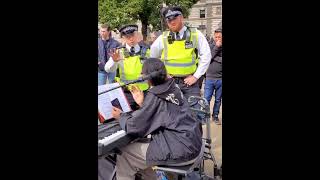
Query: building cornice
(206,4)
(192,19)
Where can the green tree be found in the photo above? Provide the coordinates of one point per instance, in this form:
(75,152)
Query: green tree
(119,12)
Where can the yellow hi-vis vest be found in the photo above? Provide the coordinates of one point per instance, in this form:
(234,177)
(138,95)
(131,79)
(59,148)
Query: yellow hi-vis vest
(179,59)
(130,69)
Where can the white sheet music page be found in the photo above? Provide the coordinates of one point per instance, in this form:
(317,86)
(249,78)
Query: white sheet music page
(104,100)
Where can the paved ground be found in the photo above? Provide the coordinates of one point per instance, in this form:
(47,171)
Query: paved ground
(216,136)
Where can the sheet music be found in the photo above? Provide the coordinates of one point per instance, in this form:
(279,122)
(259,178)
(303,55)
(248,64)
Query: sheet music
(104,100)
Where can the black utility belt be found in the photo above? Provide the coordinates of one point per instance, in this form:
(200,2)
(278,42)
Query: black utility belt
(179,77)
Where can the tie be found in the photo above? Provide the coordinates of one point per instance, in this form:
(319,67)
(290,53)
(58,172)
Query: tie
(177,36)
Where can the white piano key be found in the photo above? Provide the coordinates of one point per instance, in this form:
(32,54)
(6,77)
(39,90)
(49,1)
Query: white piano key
(113,137)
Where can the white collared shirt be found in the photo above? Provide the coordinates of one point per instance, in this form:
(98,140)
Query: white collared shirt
(202,46)
(112,66)
(136,48)
(181,32)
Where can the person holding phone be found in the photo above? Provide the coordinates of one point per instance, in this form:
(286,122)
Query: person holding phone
(213,82)
(164,114)
(116,103)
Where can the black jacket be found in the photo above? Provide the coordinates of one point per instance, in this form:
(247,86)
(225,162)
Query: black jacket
(214,71)
(165,114)
(103,56)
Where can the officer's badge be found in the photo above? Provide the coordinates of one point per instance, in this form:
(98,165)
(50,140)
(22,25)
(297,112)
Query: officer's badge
(169,13)
(188,45)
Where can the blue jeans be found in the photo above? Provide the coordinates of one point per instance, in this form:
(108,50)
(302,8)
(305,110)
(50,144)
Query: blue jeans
(213,86)
(104,78)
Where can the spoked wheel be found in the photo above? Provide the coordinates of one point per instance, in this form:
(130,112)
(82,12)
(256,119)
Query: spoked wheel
(217,172)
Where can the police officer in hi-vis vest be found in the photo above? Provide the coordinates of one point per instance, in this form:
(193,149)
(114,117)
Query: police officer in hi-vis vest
(184,51)
(128,61)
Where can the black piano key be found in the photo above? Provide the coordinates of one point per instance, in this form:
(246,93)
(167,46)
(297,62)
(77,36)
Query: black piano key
(107,129)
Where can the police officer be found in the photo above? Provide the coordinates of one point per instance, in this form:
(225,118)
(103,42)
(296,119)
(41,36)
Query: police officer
(128,61)
(184,50)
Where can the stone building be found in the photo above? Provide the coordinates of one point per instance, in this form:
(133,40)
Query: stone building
(206,15)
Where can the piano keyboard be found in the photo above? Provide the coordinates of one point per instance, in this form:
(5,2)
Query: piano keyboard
(111,137)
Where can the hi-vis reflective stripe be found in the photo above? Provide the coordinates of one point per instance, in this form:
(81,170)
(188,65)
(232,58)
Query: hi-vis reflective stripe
(123,75)
(165,46)
(128,81)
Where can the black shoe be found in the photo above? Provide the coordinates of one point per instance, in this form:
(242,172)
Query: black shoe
(216,120)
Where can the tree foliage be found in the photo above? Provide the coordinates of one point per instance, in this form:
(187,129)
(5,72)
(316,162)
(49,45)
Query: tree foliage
(120,12)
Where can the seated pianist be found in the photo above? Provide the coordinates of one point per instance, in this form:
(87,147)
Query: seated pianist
(165,115)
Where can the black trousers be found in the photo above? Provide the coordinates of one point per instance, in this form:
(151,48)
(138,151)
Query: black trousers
(187,91)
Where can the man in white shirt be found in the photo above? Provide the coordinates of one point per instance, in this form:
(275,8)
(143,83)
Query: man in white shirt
(184,50)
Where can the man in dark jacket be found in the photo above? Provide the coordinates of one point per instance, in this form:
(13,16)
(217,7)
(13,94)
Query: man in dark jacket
(105,43)
(165,115)
(213,83)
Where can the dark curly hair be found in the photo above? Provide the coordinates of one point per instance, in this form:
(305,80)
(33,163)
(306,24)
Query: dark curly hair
(152,65)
